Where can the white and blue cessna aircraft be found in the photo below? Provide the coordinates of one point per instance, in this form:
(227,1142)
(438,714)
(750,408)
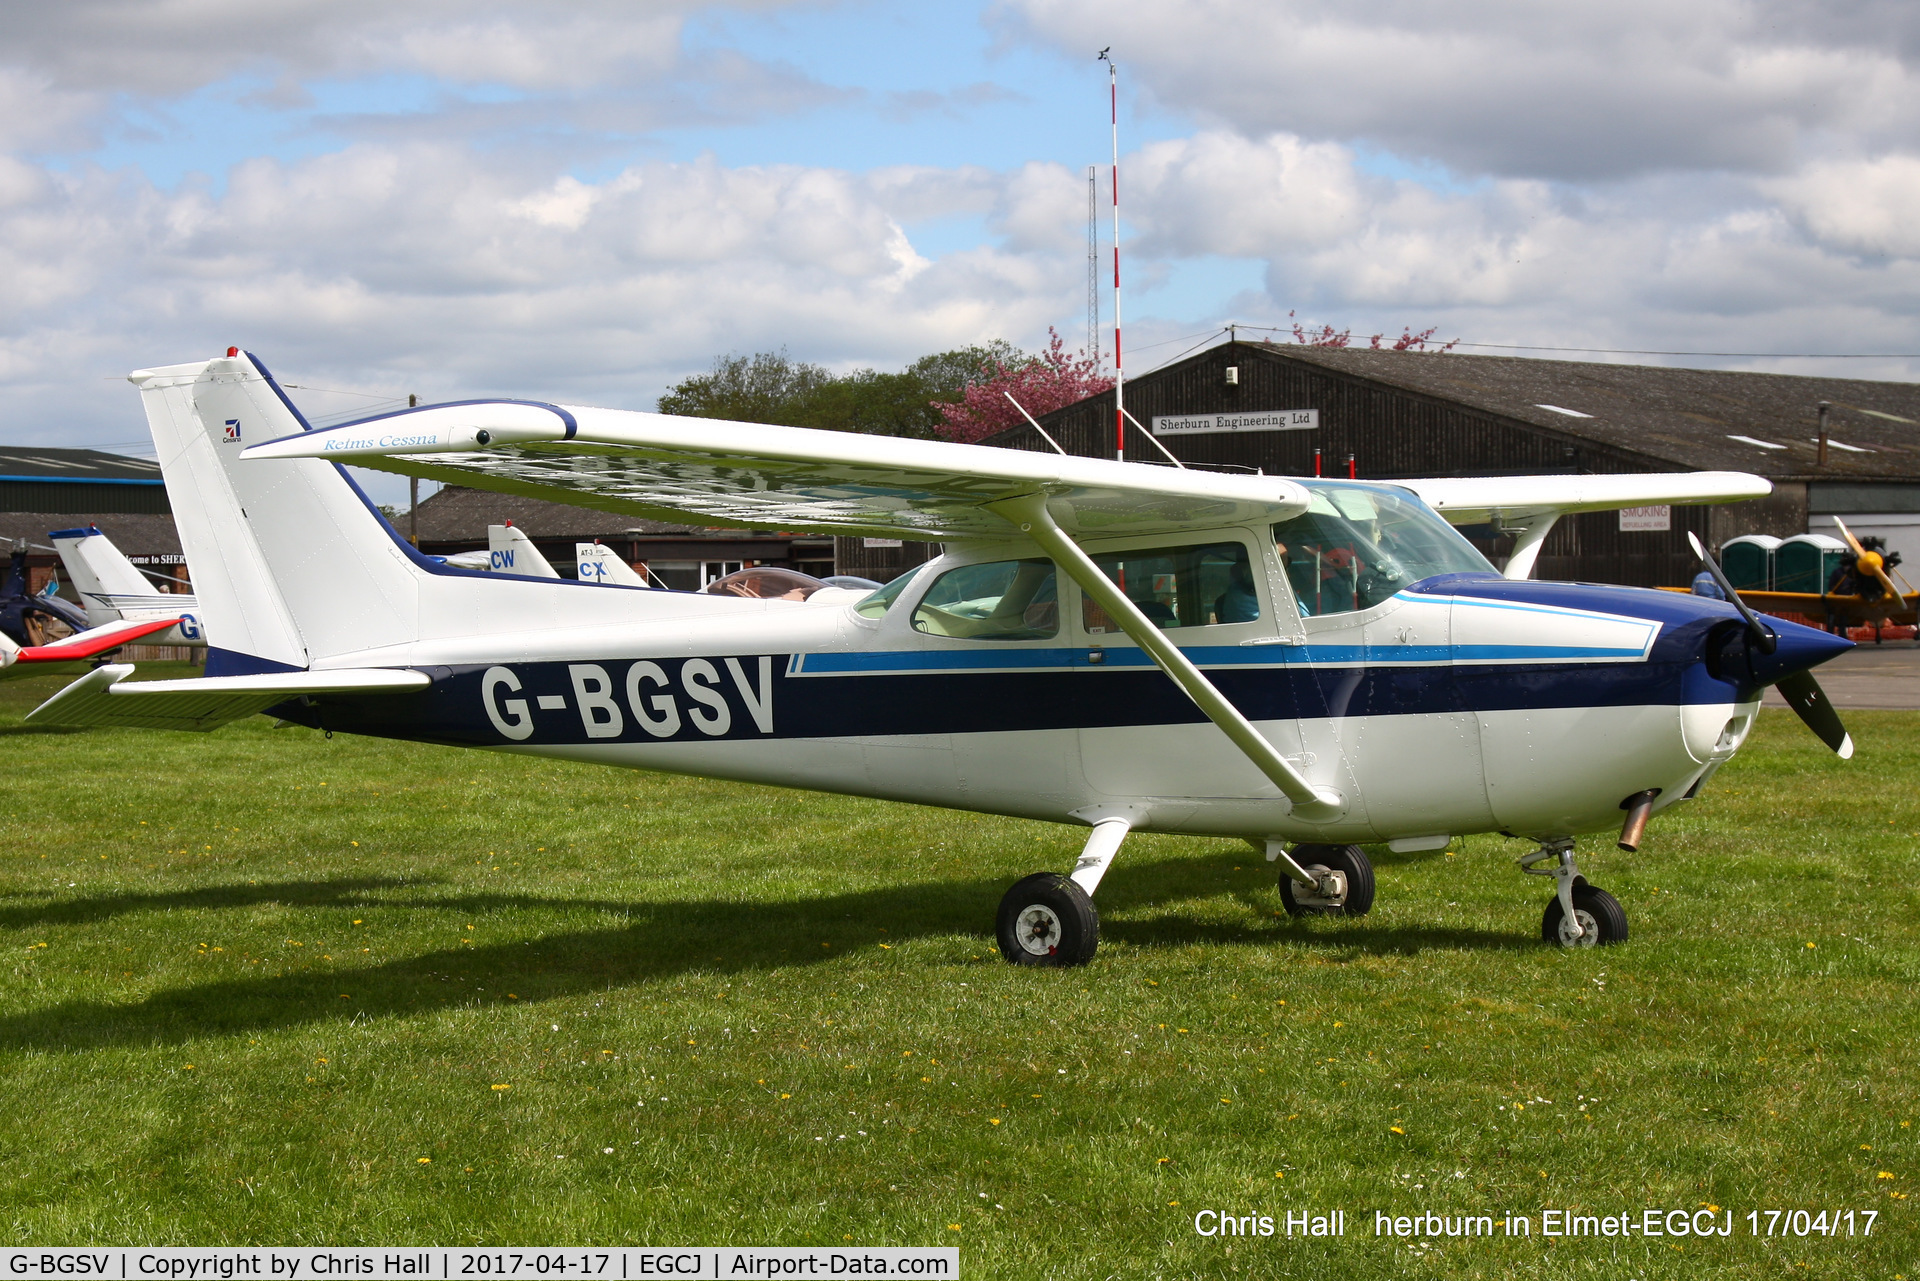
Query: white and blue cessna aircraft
(1307,665)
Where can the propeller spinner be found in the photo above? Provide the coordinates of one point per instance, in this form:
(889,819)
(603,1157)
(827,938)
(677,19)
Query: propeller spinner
(1801,691)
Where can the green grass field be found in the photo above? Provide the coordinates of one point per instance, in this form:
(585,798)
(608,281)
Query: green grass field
(264,987)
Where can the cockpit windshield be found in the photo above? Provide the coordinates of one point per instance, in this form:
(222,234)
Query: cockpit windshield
(1356,545)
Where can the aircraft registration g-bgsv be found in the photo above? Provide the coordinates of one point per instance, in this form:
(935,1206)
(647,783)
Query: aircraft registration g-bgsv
(1303,664)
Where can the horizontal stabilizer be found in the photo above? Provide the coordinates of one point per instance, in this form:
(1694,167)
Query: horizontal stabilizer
(101,698)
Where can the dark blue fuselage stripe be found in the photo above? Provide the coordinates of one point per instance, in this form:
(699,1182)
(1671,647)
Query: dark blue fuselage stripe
(917,703)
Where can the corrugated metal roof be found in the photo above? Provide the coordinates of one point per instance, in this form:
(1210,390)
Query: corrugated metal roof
(1691,418)
(136,534)
(88,466)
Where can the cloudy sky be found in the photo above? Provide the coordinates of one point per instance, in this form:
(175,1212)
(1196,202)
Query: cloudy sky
(588,200)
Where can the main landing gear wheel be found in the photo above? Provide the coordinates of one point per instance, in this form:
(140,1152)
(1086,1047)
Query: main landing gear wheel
(1602,919)
(1349,862)
(1046,919)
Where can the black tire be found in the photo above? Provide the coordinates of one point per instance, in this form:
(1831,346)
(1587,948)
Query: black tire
(1594,905)
(1046,919)
(1346,859)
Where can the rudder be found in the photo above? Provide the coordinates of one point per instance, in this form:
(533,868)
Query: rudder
(290,562)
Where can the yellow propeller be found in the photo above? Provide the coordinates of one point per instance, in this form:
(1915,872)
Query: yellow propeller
(1869,562)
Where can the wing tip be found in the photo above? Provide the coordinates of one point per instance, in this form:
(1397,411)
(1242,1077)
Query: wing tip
(1845,750)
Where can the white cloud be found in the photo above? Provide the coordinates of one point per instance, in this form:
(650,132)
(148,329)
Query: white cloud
(1576,90)
(1858,206)
(429,269)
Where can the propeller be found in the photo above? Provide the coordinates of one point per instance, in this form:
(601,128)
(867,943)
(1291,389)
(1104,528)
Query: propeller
(1763,636)
(1810,704)
(1798,687)
(1871,562)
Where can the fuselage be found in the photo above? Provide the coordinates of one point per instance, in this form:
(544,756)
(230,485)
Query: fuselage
(1458,702)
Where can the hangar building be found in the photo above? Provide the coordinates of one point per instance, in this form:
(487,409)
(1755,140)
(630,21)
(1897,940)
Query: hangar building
(1273,408)
(42,490)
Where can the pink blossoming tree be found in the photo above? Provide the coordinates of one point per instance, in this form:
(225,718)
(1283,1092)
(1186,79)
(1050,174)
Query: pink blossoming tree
(1042,384)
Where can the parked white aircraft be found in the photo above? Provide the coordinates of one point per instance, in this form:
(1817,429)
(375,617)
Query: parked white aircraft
(1303,664)
(112,589)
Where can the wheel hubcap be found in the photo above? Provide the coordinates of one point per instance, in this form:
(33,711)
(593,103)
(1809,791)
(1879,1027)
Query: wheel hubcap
(1589,930)
(1038,930)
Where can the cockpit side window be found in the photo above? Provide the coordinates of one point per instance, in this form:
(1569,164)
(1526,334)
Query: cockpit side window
(1193,586)
(877,604)
(1001,600)
(1355,546)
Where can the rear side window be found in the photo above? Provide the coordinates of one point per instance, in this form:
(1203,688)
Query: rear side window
(1000,600)
(1192,586)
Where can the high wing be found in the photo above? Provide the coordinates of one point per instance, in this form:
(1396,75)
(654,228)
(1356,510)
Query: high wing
(1529,506)
(793,478)
(1520,500)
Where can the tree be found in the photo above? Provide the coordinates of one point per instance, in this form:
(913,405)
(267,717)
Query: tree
(1041,384)
(1328,336)
(771,387)
(766,387)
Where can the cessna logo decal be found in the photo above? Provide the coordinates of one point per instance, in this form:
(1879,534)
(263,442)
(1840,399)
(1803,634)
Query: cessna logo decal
(693,697)
(233,432)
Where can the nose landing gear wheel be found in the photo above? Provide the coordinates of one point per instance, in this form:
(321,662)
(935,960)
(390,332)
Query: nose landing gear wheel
(1602,919)
(1046,919)
(1349,861)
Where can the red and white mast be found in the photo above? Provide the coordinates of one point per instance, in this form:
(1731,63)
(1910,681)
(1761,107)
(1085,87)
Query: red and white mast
(1119,375)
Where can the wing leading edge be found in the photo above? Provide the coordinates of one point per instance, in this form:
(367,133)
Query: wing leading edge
(792,478)
(1523,500)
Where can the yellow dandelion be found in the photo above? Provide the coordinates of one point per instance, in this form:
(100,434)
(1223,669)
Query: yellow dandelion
(1396,1129)
(953,1227)
(503,1086)
(994,1120)
(425,1160)
(786,1096)
(1809,945)
(1884,1174)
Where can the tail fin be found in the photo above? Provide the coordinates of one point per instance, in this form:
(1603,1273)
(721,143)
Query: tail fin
(102,574)
(510,551)
(598,564)
(290,561)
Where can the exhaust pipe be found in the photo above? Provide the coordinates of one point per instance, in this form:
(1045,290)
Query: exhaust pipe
(1639,808)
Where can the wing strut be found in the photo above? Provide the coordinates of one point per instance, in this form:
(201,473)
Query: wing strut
(1029,512)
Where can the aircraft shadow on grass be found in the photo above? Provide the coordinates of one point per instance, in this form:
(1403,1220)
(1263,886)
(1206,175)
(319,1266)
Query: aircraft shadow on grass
(659,940)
